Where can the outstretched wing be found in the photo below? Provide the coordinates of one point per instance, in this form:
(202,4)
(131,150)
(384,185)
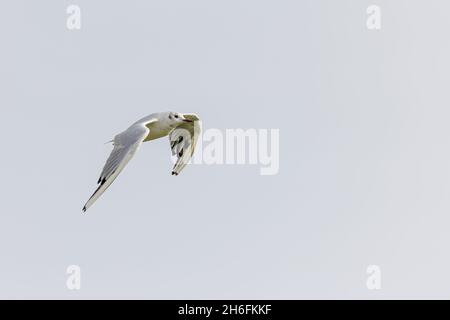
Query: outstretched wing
(125,146)
(183,140)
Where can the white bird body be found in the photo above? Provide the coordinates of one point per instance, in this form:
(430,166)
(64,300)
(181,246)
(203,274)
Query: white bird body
(152,127)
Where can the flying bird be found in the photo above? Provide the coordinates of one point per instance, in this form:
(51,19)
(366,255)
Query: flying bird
(182,129)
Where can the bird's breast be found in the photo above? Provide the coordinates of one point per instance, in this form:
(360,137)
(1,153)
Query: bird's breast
(156,132)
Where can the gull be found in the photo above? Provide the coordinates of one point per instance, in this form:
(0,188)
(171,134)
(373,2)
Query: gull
(182,129)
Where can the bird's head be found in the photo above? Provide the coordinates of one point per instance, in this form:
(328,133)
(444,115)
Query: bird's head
(176,118)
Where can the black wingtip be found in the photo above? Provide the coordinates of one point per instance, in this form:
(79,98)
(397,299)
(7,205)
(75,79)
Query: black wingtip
(174,173)
(84,209)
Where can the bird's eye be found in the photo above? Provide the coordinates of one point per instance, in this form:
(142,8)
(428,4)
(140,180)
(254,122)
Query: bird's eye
(176,116)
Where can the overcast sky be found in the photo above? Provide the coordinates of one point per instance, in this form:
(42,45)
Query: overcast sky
(364,172)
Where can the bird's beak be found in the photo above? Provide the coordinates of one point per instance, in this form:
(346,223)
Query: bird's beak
(186,120)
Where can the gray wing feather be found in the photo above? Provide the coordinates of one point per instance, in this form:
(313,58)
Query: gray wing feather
(114,159)
(125,146)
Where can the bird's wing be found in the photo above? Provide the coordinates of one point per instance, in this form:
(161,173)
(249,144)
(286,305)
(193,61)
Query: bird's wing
(182,142)
(125,146)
